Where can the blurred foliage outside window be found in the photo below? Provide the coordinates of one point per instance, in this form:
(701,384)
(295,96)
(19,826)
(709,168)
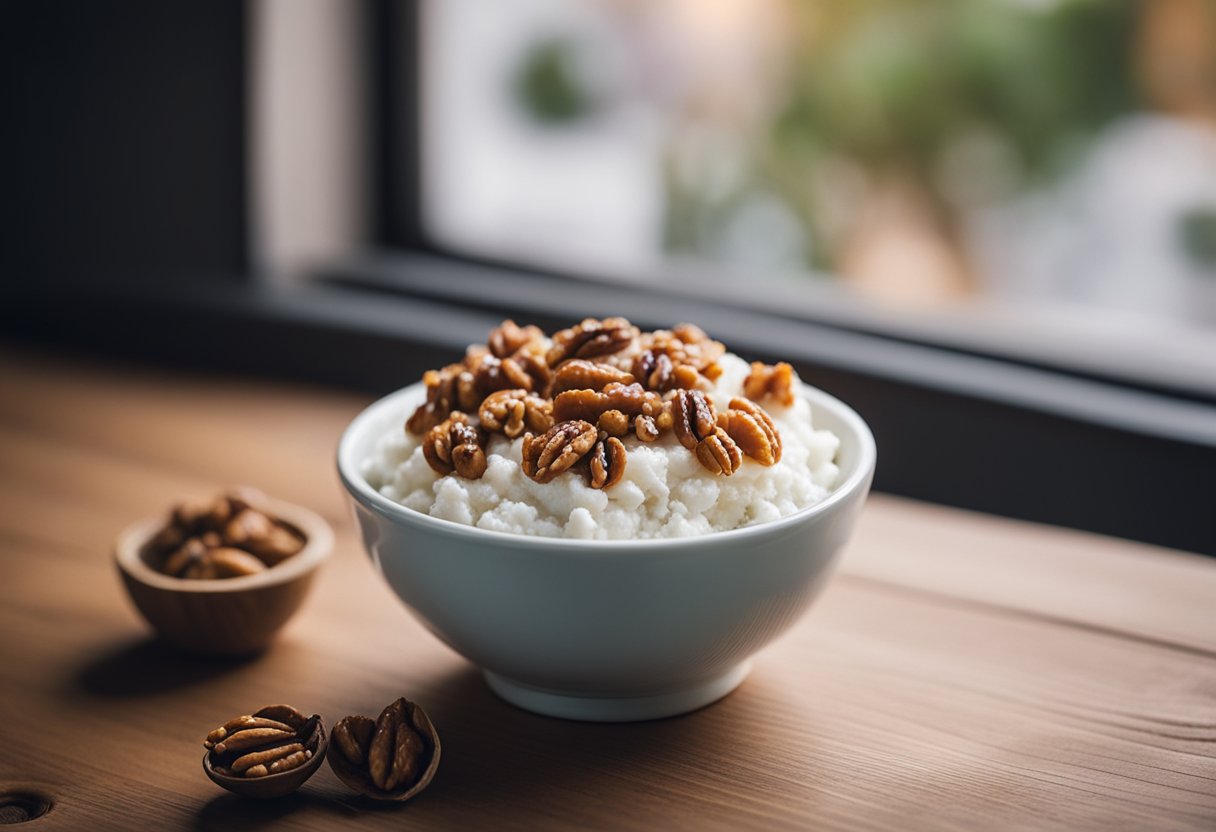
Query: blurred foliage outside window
(921,152)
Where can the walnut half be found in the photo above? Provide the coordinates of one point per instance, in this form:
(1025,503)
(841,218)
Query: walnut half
(511,412)
(392,758)
(556,450)
(456,446)
(753,431)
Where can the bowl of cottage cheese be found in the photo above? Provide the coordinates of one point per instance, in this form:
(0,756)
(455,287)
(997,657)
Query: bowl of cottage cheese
(609,523)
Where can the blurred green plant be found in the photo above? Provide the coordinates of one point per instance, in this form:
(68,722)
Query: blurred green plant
(1197,231)
(894,87)
(548,87)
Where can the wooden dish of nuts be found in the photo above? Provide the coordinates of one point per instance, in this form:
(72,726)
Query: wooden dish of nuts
(221,577)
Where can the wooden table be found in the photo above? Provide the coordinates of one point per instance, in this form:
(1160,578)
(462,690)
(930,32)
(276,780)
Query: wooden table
(960,672)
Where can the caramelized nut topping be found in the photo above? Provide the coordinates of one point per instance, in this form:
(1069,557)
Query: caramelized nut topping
(646,428)
(607,462)
(592,338)
(775,381)
(753,431)
(589,405)
(719,454)
(581,374)
(508,338)
(573,398)
(693,417)
(685,344)
(455,446)
(557,449)
(613,423)
(656,371)
(511,412)
(452,388)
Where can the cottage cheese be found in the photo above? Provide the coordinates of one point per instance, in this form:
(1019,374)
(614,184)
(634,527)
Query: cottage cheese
(665,491)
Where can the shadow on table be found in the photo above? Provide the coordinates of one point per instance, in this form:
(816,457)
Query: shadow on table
(499,760)
(148,666)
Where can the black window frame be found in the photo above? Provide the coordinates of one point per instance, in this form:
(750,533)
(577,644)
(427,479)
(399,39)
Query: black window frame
(958,425)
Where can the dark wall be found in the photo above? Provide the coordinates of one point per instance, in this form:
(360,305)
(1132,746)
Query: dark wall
(123,140)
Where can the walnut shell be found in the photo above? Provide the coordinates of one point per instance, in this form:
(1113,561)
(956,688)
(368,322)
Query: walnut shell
(394,758)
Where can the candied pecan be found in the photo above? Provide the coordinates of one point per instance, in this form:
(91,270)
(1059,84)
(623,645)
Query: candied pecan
(591,338)
(645,428)
(452,388)
(454,445)
(719,454)
(686,344)
(581,374)
(649,428)
(753,431)
(613,423)
(589,405)
(510,412)
(656,371)
(523,370)
(607,462)
(557,449)
(774,381)
(693,417)
(509,337)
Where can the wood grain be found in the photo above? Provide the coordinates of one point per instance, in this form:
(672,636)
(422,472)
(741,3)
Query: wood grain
(961,672)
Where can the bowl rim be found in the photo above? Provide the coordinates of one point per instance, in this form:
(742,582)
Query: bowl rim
(317,547)
(358,487)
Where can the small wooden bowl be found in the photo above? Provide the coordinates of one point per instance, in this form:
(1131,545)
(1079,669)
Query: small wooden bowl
(272,785)
(229,617)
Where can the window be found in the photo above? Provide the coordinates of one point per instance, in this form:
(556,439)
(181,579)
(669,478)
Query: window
(1033,179)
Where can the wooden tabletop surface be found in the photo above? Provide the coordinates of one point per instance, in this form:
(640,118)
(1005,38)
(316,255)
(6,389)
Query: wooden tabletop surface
(960,671)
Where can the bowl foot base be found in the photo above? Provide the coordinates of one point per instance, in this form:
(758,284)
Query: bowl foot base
(617,708)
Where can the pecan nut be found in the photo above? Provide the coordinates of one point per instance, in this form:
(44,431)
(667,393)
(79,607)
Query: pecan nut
(753,431)
(508,338)
(258,534)
(273,740)
(686,344)
(589,405)
(693,417)
(557,449)
(491,374)
(613,423)
(222,538)
(581,374)
(393,758)
(656,371)
(607,462)
(718,453)
(770,381)
(456,446)
(452,388)
(511,412)
(591,338)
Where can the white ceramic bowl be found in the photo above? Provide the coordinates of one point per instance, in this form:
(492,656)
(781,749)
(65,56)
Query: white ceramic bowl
(607,630)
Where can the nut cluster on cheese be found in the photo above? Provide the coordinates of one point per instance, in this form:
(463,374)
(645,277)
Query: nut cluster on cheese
(575,396)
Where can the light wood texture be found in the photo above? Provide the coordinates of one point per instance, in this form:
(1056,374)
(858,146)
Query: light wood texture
(960,672)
